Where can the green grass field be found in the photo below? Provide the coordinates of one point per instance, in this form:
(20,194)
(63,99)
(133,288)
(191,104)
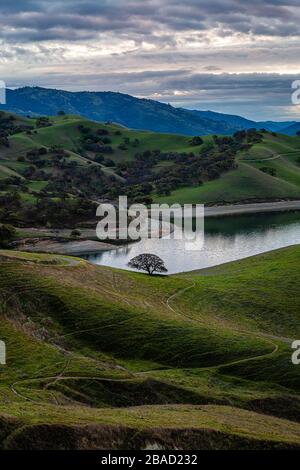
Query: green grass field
(206,352)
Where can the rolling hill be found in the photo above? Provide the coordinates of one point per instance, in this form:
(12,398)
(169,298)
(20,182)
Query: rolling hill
(270,170)
(48,166)
(129,111)
(103,358)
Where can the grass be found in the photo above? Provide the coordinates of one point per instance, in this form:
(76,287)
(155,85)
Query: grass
(248,182)
(237,427)
(79,334)
(65,133)
(243,184)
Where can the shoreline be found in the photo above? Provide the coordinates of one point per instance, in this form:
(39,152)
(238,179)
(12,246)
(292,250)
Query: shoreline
(71,248)
(258,207)
(92,246)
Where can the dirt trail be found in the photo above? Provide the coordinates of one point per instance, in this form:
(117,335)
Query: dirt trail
(60,376)
(275,156)
(267,338)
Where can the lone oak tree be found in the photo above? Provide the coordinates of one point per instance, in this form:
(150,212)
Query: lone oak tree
(148,262)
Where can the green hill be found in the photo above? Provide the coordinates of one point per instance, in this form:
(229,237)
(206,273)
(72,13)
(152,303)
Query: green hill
(269,170)
(49,165)
(70,157)
(201,358)
(245,184)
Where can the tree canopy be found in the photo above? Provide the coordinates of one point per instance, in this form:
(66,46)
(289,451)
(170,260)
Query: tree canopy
(148,262)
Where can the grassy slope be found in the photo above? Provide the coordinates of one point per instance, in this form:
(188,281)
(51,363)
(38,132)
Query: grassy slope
(212,346)
(284,152)
(245,183)
(248,182)
(64,132)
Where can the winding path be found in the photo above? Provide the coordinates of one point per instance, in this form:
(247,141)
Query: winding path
(264,336)
(60,376)
(274,157)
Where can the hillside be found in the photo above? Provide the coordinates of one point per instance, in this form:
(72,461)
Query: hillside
(269,170)
(72,158)
(102,358)
(53,171)
(129,111)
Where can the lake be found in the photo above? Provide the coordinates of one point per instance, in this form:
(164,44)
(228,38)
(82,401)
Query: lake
(226,239)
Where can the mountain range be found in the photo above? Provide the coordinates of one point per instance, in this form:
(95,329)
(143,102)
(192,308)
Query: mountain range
(134,113)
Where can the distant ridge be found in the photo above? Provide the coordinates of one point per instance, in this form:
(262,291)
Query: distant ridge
(292,129)
(131,112)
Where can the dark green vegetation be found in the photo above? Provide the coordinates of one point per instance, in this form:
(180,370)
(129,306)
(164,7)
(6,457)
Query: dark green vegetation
(102,358)
(132,112)
(149,263)
(53,171)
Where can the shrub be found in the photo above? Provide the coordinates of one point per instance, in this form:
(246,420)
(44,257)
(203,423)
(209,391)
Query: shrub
(7,234)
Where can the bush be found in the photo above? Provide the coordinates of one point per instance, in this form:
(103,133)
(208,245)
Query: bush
(43,122)
(270,171)
(197,140)
(75,233)
(7,234)
(109,162)
(99,158)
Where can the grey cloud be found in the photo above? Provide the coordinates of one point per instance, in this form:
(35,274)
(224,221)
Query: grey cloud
(212,68)
(43,20)
(173,62)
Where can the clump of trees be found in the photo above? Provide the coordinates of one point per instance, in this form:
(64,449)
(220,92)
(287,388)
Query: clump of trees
(183,169)
(95,140)
(197,140)
(250,136)
(9,126)
(43,121)
(75,233)
(45,211)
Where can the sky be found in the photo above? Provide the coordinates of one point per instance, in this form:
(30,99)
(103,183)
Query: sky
(230,56)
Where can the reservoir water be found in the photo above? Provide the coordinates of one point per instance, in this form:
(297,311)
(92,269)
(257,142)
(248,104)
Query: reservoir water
(226,239)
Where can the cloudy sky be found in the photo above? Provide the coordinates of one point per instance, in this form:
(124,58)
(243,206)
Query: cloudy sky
(233,56)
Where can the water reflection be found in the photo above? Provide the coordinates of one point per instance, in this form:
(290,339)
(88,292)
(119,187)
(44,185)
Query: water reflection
(226,239)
